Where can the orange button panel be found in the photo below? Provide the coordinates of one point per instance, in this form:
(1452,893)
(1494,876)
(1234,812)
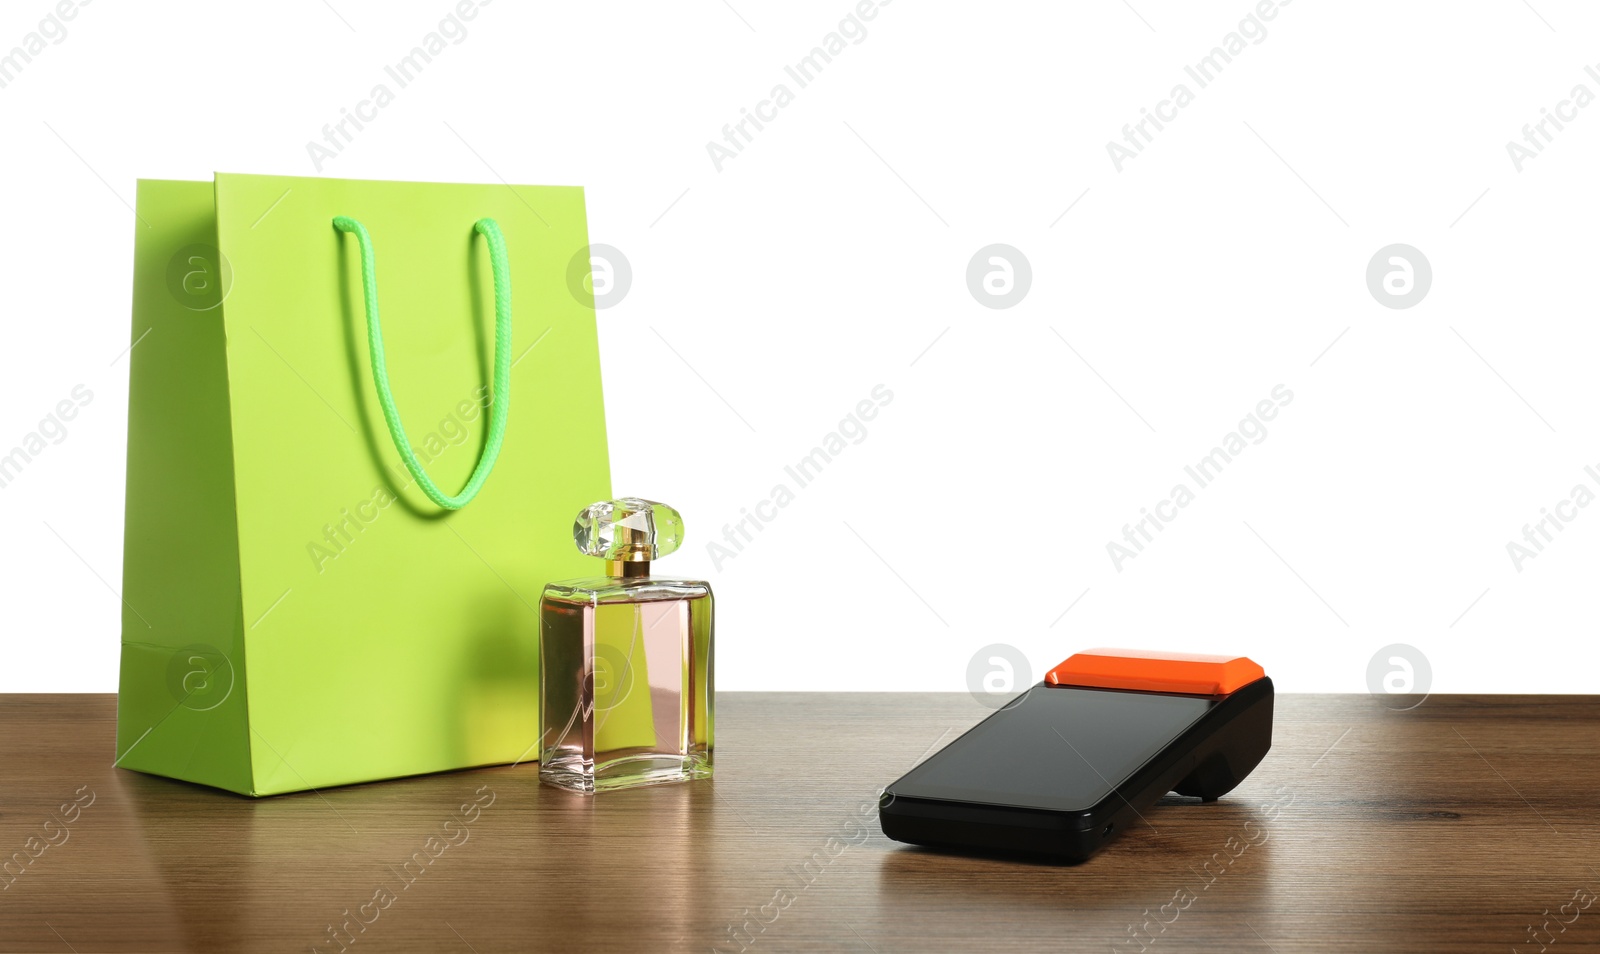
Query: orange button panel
(1146,671)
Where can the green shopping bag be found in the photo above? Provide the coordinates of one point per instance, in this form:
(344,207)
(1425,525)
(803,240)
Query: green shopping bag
(301,608)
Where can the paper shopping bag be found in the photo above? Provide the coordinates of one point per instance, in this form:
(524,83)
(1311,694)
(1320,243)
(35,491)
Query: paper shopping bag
(303,605)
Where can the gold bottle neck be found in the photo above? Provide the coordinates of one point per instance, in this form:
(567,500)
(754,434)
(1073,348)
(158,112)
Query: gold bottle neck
(628,569)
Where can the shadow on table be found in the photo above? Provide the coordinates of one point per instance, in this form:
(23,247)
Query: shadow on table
(1196,857)
(486,856)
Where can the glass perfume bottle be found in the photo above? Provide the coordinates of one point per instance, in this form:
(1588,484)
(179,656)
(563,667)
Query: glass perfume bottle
(625,659)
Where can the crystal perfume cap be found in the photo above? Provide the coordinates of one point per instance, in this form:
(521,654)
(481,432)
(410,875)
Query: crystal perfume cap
(628,529)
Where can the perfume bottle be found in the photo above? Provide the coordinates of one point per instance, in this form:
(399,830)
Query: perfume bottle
(625,692)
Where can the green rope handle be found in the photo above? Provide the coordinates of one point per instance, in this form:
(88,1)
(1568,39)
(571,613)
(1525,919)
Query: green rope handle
(499,404)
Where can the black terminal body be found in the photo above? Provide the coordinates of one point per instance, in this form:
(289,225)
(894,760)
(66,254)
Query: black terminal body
(1060,770)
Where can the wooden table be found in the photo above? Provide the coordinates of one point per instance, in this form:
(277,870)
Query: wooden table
(1456,826)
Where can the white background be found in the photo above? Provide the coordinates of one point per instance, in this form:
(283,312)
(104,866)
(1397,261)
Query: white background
(831,256)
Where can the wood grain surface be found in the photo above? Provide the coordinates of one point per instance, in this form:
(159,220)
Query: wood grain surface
(1464,824)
